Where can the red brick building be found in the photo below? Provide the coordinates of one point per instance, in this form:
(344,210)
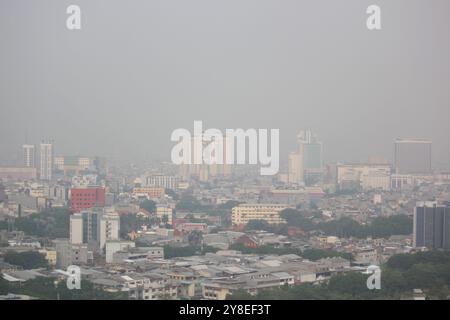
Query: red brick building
(85,198)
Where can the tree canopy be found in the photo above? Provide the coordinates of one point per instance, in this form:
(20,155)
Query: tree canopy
(148,205)
(26,260)
(381,227)
(51,223)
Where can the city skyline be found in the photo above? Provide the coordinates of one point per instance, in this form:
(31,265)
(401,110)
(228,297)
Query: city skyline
(357,90)
(314,162)
(214,150)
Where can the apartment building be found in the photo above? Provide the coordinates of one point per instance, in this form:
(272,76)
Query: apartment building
(243,213)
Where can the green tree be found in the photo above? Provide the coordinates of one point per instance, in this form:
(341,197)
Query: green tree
(188,203)
(131,222)
(45,288)
(296,218)
(4,286)
(195,238)
(51,223)
(3,225)
(317,254)
(185,251)
(148,205)
(352,283)
(26,260)
(172,194)
(230,204)
(258,225)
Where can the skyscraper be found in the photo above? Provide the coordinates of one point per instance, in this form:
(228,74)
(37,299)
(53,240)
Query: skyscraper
(29,156)
(295,175)
(46,160)
(94,227)
(306,164)
(432,225)
(412,156)
(312,157)
(109,227)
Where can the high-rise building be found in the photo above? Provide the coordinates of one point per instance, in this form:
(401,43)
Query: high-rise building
(311,150)
(29,156)
(412,156)
(306,163)
(94,227)
(432,225)
(109,227)
(295,174)
(46,160)
(76,228)
(84,227)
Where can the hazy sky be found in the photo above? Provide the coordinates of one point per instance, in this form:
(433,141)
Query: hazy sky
(140,69)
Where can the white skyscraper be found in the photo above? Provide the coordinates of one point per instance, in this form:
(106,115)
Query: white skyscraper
(76,228)
(109,227)
(46,160)
(295,168)
(94,227)
(29,156)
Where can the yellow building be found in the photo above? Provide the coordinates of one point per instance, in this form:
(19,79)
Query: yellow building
(243,213)
(50,256)
(152,192)
(162,211)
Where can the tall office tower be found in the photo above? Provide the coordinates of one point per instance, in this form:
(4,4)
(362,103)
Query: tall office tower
(311,149)
(306,164)
(412,156)
(46,160)
(94,227)
(84,227)
(295,174)
(431,225)
(109,227)
(76,228)
(29,156)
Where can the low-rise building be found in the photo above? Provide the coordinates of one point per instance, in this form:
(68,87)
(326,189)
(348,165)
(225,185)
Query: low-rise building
(244,213)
